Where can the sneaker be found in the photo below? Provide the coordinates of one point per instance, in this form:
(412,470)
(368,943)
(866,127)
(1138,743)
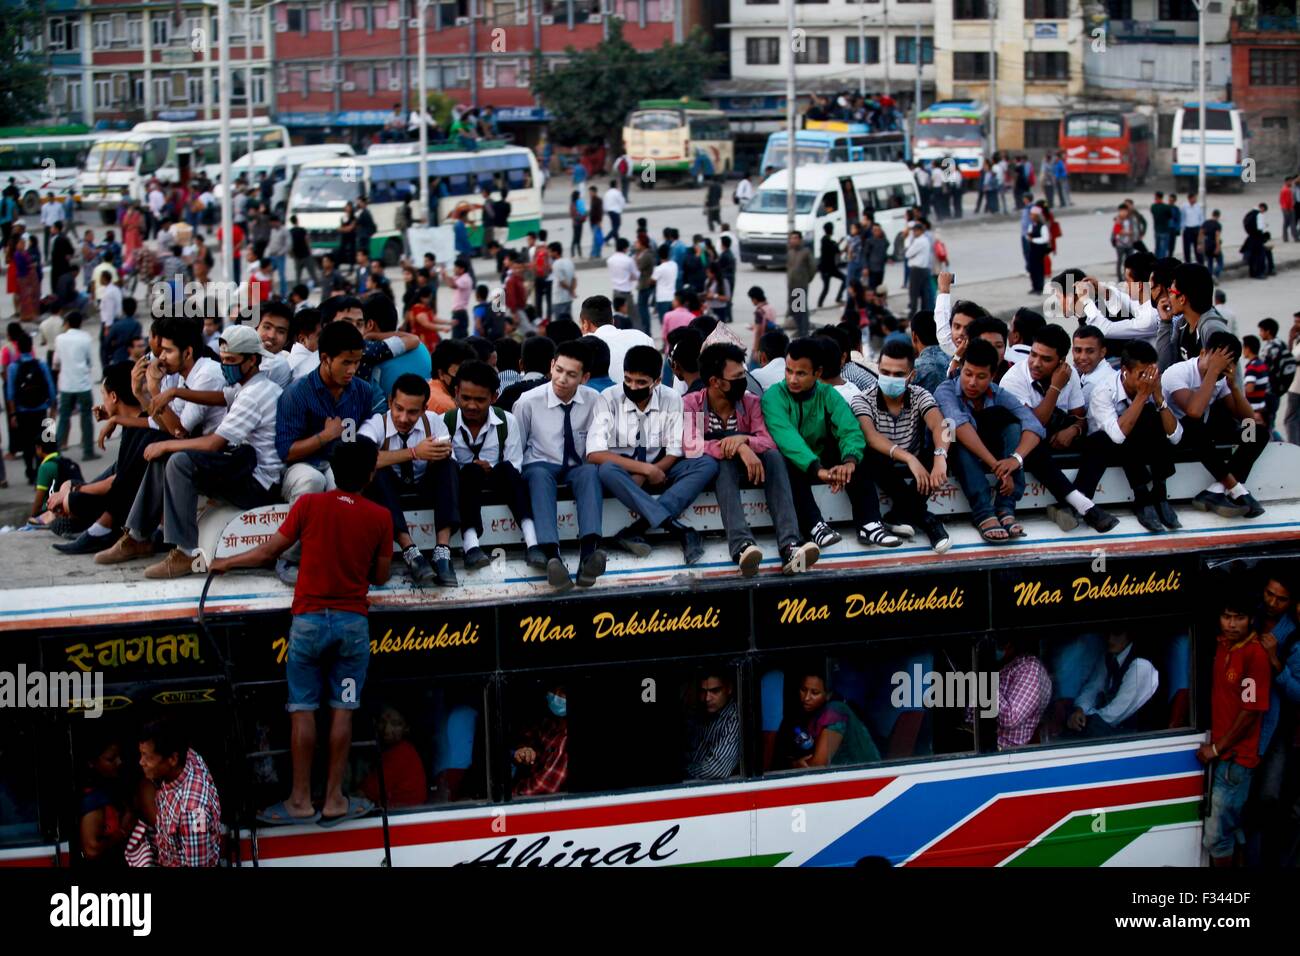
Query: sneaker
(535,557)
(1168,516)
(633,543)
(287,572)
(1220,504)
(476,558)
(1254,508)
(1148,518)
(125,549)
(938,535)
(557,575)
(1066,518)
(824,535)
(85,543)
(799,558)
(592,567)
(877,534)
(177,564)
(1099,519)
(692,546)
(748,560)
(417,565)
(443,572)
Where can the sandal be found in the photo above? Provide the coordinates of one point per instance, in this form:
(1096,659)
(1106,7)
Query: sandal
(992,533)
(1012,527)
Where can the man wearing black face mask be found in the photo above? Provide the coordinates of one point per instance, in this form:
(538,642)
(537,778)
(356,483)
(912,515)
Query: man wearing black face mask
(635,440)
(726,422)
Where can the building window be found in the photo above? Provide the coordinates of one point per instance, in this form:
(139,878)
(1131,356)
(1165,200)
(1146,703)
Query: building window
(753,3)
(1047,9)
(762,51)
(1177,10)
(851,49)
(1273,68)
(816,50)
(103,94)
(1119,9)
(101,33)
(1047,66)
(1275,122)
(810,1)
(970,10)
(970,66)
(162,91)
(64,34)
(74,96)
(1041,134)
(295,20)
(905,50)
(1196,72)
(160,30)
(135,31)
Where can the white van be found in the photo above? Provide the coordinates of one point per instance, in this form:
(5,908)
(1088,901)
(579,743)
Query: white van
(832,192)
(1227,145)
(280,166)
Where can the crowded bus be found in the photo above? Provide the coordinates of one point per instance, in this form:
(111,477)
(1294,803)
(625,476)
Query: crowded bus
(278,165)
(832,141)
(1227,145)
(680,139)
(1106,146)
(389,176)
(956,129)
(42,160)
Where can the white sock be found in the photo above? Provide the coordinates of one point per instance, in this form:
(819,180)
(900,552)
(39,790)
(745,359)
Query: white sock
(1237,490)
(1080,502)
(135,536)
(97,530)
(530,533)
(1216,488)
(468,538)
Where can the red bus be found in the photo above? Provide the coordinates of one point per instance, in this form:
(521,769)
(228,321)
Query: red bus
(1106,146)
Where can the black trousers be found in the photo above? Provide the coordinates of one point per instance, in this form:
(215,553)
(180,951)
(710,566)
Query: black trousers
(909,504)
(502,482)
(128,477)
(1200,438)
(1044,468)
(24,438)
(861,491)
(436,487)
(1146,456)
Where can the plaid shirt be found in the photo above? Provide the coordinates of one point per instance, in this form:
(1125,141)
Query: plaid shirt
(551,770)
(1024,690)
(187,828)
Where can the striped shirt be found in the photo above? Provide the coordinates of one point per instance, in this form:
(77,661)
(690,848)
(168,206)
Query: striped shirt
(713,752)
(859,376)
(306,404)
(907,431)
(251,421)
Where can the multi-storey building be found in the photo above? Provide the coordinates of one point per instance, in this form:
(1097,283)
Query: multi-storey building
(1266,83)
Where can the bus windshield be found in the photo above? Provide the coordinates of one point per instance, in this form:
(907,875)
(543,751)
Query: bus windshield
(655,121)
(948,131)
(1214,119)
(325,188)
(778,155)
(113,157)
(773,200)
(1095,125)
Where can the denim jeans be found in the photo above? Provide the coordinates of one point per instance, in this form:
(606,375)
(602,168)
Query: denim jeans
(277,263)
(83,402)
(1228,793)
(644,300)
(597,241)
(732,477)
(329,644)
(1001,435)
(686,479)
(543,479)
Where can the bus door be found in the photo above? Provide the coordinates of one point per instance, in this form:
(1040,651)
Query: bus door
(850,201)
(184,165)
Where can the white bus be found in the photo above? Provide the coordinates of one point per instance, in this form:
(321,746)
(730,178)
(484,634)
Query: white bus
(120,165)
(280,166)
(386,178)
(1227,145)
(43,163)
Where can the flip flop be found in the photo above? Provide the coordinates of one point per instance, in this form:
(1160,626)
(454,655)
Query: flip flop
(357,807)
(279,816)
(988,534)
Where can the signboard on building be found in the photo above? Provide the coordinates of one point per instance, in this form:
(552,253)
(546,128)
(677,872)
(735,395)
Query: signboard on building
(1045,31)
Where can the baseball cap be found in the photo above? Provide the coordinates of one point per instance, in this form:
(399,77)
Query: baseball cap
(243,340)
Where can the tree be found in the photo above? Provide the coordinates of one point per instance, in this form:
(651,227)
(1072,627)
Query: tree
(591,94)
(23,89)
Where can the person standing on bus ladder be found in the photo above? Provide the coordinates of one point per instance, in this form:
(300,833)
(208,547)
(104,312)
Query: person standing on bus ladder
(1193,216)
(1235,723)
(347,546)
(615,203)
(596,215)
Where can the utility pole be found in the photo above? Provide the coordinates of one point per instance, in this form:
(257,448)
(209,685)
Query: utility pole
(223,107)
(790,117)
(248,79)
(1200,71)
(862,49)
(884,41)
(916,102)
(421,7)
(993,76)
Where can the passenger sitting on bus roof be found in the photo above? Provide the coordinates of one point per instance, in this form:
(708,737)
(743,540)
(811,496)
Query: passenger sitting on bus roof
(541,760)
(555,420)
(599,379)
(1195,319)
(635,442)
(822,730)
(821,441)
(1024,690)
(414,460)
(1120,685)
(377,322)
(186,828)
(405,783)
(1091,362)
(304,331)
(1135,313)
(895,415)
(848,337)
(347,545)
(993,331)
(487,450)
(105,815)
(446,360)
(713,731)
(1205,395)
(951,319)
(1049,387)
(1235,723)
(769,358)
(1130,423)
(273,330)
(535,355)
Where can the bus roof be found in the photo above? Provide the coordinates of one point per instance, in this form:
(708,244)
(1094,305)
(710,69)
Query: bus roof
(413,149)
(1209,106)
(682,104)
(44,132)
(973,106)
(811,175)
(271,157)
(836,126)
(57,138)
(194,126)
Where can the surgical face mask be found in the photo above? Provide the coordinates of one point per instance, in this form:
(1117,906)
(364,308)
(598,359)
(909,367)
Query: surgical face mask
(637,395)
(736,390)
(233,373)
(559,705)
(999,654)
(893,385)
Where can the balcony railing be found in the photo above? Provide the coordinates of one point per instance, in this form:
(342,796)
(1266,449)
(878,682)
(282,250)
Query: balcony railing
(1252,23)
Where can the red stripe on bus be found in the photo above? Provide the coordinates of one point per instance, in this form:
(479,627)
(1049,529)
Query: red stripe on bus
(1012,822)
(523,822)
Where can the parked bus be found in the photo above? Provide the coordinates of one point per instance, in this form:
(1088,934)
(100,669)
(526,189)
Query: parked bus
(956,129)
(120,165)
(1106,146)
(835,193)
(829,141)
(681,138)
(279,165)
(42,160)
(1227,145)
(390,175)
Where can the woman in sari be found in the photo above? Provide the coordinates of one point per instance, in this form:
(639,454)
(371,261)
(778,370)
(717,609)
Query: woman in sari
(28,293)
(132,233)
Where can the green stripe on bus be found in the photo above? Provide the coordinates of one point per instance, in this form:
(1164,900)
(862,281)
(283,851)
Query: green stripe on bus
(769,859)
(1076,843)
(518,229)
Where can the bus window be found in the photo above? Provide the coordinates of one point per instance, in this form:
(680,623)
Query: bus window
(830,203)
(324,188)
(517,179)
(110,796)
(1214,119)
(19,808)
(153,155)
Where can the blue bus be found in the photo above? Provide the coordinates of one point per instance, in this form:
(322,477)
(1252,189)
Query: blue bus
(832,141)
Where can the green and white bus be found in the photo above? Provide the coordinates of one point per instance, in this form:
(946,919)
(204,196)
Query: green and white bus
(42,160)
(390,175)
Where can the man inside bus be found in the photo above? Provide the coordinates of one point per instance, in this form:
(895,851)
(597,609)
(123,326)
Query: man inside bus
(1206,397)
(635,442)
(713,732)
(187,828)
(1275,623)
(1024,689)
(541,760)
(1120,685)
(554,420)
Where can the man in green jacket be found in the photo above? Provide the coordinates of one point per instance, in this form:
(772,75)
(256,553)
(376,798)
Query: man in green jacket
(822,441)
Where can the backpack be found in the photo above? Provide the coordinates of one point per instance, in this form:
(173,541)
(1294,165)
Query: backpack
(69,470)
(502,430)
(1281,369)
(30,388)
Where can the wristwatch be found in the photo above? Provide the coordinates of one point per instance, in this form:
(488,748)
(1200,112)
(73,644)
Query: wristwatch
(1016,456)
(1163,406)
(941,453)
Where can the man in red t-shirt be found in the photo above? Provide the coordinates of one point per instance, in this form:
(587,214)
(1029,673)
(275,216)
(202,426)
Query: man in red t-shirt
(1240,684)
(347,544)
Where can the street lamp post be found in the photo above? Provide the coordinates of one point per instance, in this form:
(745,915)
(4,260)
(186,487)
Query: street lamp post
(1200,71)
(421,57)
(993,76)
(792,159)
(223,107)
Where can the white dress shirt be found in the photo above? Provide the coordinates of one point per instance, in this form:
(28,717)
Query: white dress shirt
(381,430)
(619,341)
(540,414)
(774,371)
(665,276)
(110,304)
(1193,215)
(918,251)
(302,360)
(250,421)
(1109,401)
(74,350)
(1187,375)
(52,212)
(1144,324)
(623,273)
(621,427)
(1020,383)
(614,201)
(1137,686)
(744,191)
(486,445)
(278,369)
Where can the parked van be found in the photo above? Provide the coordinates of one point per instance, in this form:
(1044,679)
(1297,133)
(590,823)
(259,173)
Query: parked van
(280,166)
(1227,145)
(833,192)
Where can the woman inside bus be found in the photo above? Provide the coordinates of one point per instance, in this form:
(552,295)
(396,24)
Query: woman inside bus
(822,730)
(347,255)
(106,818)
(717,292)
(405,782)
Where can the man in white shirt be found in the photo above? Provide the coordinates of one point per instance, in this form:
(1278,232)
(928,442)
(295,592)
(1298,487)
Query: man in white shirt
(304,329)
(918,253)
(597,318)
(1193,218)
(273,327)
(615,203)
(554,420)
(564,282)
(157,202)
(51,213)
(744,192)
(1131,424)
(1205,393)
(1089,352)
(74,352)
(623,271)
(1120,684)
(636,442)
(1125,313)
(110,300)
(665,279)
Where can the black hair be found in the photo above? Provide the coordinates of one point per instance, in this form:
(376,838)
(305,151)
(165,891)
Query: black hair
(167,736)
(686,344)
(1196,284)
(281,310)
(117,379)
(129,306)
(560,331)
(300,290)
(339,337)
(774,344)
(756,292)
(704,324)
(73,319)
(644,360)
(987,324)
(981,354)
(379,309)
(1164,270)
(575,349)
(599,352)
(1140,264)
(508,353)
(536,353)
(1269,325)
(1027,324)
(450,352)
(924,329)
(481,346)
(1250,342)
(715,357)
(1090,332)
(303,322)
(478,373)
(353,462)
(182,332)
(411,384)
(899,349)
(1224,340)
(1138,352)
(335,304)
(807,348)
(1055,338)
(968,308)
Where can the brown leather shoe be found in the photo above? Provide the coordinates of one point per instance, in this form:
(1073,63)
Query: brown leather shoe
(126,549)
(177,564)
